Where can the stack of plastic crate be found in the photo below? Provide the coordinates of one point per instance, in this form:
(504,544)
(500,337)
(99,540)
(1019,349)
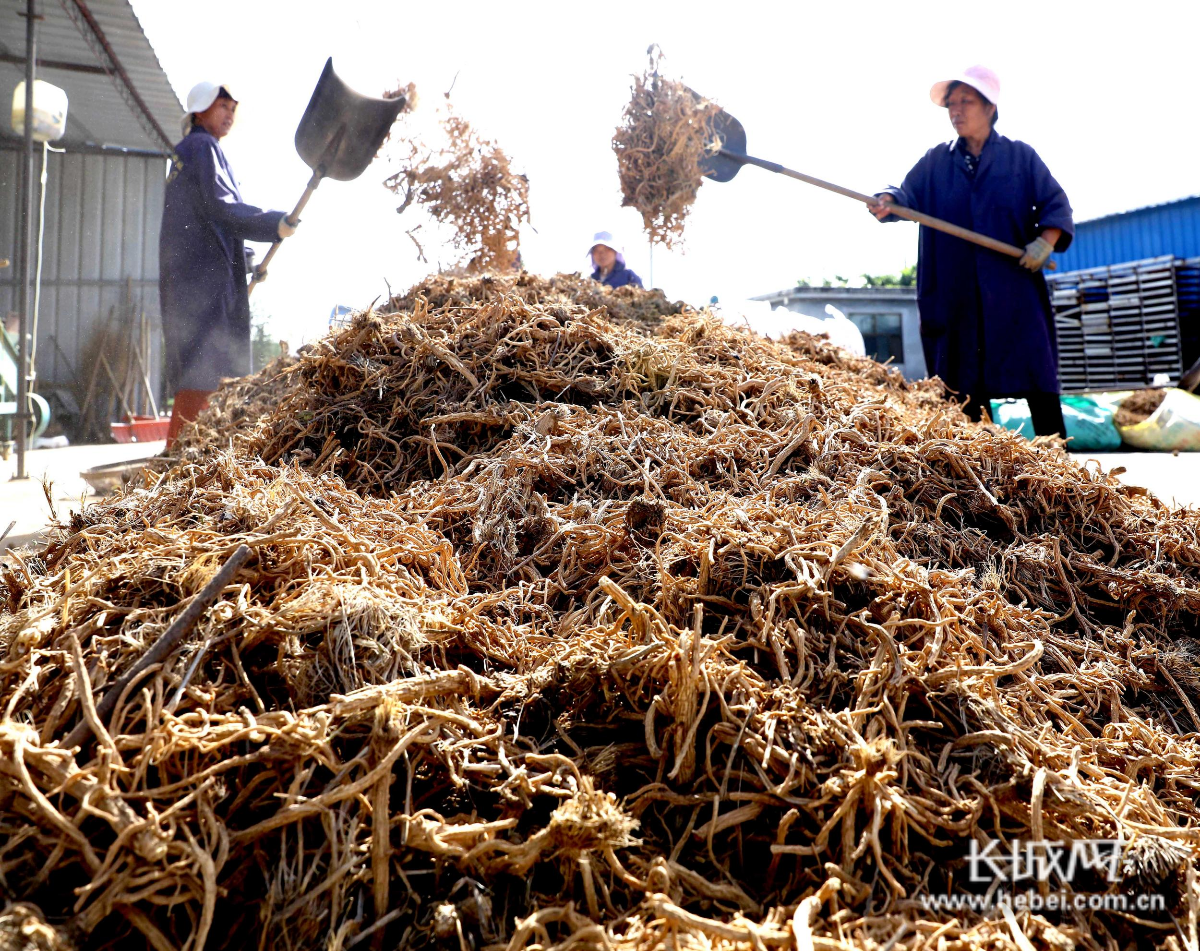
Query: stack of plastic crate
(1118,326)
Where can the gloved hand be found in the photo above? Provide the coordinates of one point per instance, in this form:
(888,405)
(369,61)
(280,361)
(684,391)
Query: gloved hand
(1037,253)
(259,274)
(286,229)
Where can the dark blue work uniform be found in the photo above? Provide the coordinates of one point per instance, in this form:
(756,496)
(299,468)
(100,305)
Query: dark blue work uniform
(986,323)
(202,266)
(619,276)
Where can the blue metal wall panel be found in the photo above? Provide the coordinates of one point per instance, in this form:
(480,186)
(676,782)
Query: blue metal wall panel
(1173,228)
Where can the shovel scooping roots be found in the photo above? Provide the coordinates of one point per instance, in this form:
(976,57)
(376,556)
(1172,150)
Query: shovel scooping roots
(558,633)
(662,137)
(466,182)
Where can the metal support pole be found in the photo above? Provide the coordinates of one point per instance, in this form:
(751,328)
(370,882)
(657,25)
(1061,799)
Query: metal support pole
(24,417)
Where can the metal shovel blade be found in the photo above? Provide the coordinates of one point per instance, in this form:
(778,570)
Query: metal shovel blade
(341,130)
(722,165)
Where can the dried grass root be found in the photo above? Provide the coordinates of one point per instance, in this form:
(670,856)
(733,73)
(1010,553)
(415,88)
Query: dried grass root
(466,182)
(565,629)
(663,135)
(1138,406)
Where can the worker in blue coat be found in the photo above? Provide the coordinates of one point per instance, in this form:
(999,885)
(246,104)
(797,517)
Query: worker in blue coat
(986,324)
(608,262)
(203,263)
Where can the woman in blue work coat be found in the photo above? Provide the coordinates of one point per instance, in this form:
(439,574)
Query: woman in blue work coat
(986,324)
(608,262)
(202,258)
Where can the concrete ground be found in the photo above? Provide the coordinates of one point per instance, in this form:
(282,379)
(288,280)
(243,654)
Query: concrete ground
(25,501)
(1174,479)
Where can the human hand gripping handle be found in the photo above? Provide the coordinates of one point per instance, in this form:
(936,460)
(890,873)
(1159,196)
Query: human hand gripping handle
(881,209)
(1037,252)
(286,228)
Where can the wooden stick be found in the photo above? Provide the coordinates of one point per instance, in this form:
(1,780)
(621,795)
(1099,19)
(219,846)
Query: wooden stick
(118,389)
(127,386)
(95,375)
(166,642)
(137,354)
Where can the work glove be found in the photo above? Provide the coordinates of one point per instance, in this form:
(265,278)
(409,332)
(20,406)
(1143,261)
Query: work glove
(1037,253)
(286,229)
(259,275)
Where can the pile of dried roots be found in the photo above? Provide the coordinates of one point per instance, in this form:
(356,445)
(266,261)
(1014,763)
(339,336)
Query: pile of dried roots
(466,182)
(1138,406)
(663,135)
(554,633)
(629,304)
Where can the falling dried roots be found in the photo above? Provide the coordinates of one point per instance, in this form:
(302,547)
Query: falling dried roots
(465,182)
(576,621)
(659,144)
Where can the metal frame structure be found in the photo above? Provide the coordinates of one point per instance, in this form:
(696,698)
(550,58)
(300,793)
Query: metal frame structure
(108,63)
(85,22)
(23,416)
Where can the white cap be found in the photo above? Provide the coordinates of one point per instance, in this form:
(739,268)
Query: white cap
(201,96)
(979,78)
(609,240)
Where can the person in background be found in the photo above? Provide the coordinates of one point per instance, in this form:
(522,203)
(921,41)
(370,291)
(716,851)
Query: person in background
(608,261)
(986,323)
(203,261)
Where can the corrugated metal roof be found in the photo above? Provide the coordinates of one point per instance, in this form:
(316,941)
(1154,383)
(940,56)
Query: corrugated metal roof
(1170,228)
(98,113)
(1134,211)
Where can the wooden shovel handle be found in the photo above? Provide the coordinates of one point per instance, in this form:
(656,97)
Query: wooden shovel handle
(1003,247)
(293,218)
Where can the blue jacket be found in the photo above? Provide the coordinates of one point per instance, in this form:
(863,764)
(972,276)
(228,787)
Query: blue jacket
(619,276)
(986,323)
(202,266)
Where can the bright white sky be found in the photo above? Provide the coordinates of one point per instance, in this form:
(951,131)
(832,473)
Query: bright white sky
(1105,92)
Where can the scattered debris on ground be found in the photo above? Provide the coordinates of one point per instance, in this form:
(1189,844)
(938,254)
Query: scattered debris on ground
(557,631)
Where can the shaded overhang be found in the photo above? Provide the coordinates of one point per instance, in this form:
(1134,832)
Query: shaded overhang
(95,50)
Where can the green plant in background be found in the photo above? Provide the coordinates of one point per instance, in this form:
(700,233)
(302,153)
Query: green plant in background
(906,278)
(263,348)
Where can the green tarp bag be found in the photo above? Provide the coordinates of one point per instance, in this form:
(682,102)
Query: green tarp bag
(1089,422)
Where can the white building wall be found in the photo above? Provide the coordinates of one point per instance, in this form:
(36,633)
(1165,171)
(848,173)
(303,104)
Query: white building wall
(858,302)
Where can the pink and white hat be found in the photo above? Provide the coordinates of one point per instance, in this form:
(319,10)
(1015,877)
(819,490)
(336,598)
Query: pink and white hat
(979,78)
